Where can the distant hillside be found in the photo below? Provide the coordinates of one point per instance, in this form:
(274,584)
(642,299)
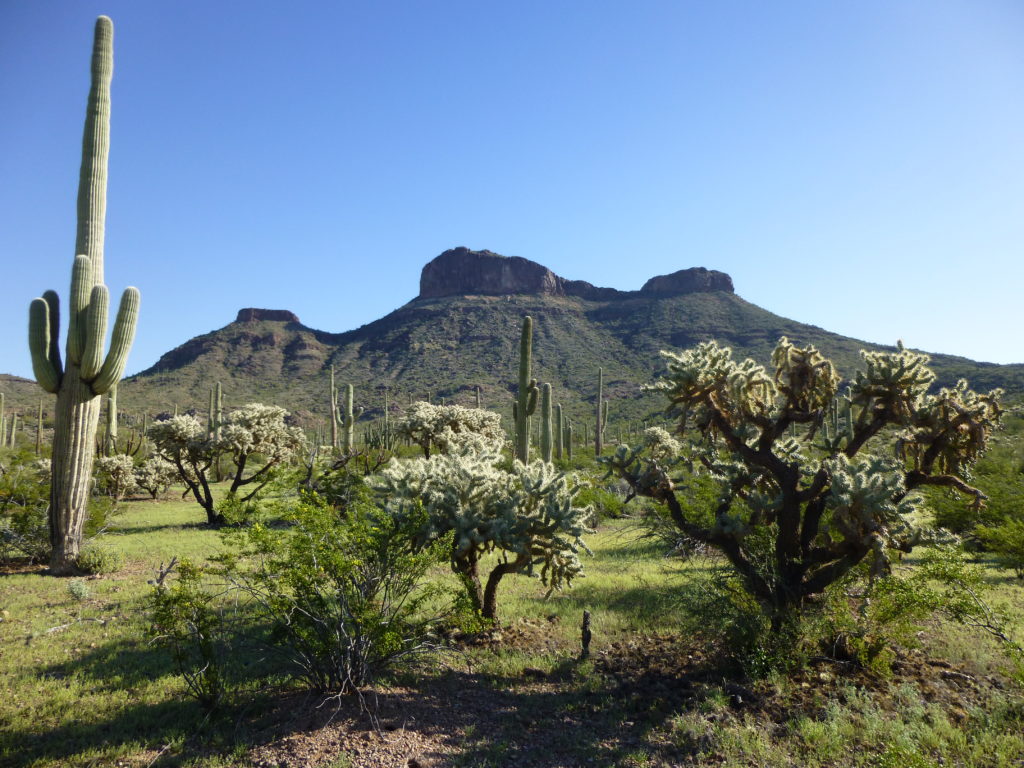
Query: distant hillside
(463,332)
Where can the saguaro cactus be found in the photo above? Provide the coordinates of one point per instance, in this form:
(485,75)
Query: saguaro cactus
(526,396)
(559,428)
(87,373)
(334,412)
(347,418)
(602,415)
(546,436)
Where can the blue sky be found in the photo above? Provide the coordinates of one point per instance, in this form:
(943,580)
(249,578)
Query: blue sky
(858,166)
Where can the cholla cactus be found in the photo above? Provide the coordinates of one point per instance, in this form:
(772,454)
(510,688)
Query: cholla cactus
(115,475)
(823,514)
(529,514)
(448,428)
(660,445)
(250,432)
(87,372)
(155,475)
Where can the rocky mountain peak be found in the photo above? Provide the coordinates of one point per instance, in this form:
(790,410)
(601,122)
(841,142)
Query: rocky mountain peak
(252,314)
(461,271)
(693,280)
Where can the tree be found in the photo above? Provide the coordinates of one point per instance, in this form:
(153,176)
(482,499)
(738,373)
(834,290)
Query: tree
(447,426)
(255,434)
(528,514)
(795,516)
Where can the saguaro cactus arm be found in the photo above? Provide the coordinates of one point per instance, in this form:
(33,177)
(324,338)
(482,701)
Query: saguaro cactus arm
(121,339)
(41,332)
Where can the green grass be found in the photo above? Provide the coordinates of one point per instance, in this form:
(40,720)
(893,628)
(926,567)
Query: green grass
(97,691)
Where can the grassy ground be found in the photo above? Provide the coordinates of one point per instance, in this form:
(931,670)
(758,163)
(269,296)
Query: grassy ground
(82,685)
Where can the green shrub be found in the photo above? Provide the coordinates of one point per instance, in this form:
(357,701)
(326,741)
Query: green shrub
(187,619)
(97,559)
(24,499)
(345,595)
(868,625)
(605,502)
(1006,540)
(78,590)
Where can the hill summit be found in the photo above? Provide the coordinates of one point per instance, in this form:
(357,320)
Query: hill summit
(463,272)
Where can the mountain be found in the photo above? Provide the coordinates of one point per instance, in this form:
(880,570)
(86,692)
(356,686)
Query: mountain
(462,331)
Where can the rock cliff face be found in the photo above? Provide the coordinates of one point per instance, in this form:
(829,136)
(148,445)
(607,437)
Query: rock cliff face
(461,272)
(252,314)
(695,280)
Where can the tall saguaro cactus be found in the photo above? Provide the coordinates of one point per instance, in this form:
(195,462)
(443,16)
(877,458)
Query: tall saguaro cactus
(87,373)
(526,396)
(602,415)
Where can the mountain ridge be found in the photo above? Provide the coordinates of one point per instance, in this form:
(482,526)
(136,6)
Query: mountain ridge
(446,345)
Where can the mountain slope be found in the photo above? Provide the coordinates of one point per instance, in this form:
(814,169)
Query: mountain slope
(463,332)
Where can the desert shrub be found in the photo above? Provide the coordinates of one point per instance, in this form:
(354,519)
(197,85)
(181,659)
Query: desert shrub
(606,503)
(866,620)
(1006,541)
(188,619)
(115,475)
(98,559)
(345,595)
(24,500)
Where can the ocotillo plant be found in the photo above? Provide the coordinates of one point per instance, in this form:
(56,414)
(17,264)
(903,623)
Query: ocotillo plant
(87,373)
(526,397)
(546,437)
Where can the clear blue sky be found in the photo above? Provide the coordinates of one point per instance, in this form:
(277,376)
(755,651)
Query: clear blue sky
(858,166)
